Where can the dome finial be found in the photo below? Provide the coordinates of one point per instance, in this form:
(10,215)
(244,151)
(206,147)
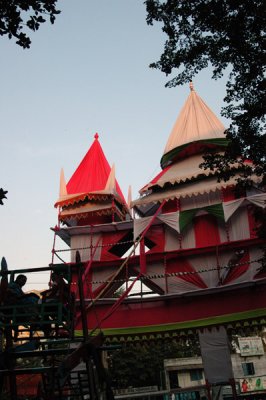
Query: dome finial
(96,136)
(191,86)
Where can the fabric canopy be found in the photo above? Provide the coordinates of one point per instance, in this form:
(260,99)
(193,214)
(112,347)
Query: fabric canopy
(195,123)
(181,171)
(92,173)
(170,219)
(207,185)
(177,220)
(187,216)
(230,207)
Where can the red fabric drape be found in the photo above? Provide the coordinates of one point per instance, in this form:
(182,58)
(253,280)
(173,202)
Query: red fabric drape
(28,385)
(238,270)
(206,231)
(142,257)
(170,206)
(228,193)
(252,223)
(110,239)
(99,169)
(156,235)
(157,177)
(117,303)
(182,265)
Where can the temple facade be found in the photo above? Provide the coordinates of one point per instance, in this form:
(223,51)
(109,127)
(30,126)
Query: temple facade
(189,239)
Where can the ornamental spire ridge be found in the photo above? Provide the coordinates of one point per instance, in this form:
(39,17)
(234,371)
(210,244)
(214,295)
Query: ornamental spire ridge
(191,86)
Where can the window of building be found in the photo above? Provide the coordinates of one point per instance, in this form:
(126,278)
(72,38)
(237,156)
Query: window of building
(248,368)
(196,375)
(173,379)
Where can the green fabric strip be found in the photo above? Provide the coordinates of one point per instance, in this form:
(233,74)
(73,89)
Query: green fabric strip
(199,323)
(186,217)
(216,210)
(172,155)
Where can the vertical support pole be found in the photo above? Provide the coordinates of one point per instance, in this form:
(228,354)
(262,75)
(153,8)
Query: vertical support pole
(218,264)
(85,326)
(143,266)
(233,385)
(165,273)
(56,228)
(91,243)
(208,387)
(81,298)
(126,276)
(10,365)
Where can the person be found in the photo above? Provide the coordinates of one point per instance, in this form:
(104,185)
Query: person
(244,385)
(259,385)
(15,294)
(59,290)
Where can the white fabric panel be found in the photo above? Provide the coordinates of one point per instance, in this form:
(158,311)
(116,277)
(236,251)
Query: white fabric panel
(188,238)
(171,219)
(258,199)
(189,189)
(174,284)
(252,191)
(196,121)
(230,207)
(181,171)
(85,241)
(206,262)
(140,225)
(157,269)
(238,225)
(222,231)
(201,200)
(254,254)
(223,258)
(171,240)
(102,275)
(178,285)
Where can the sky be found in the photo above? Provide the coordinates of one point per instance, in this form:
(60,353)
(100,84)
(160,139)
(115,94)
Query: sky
(87,73)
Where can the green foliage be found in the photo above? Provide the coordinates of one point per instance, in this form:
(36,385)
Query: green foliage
(2,195)
(229,36)
(16,16)
(142,365)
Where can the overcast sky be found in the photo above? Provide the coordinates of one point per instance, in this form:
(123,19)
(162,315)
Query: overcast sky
(87,73)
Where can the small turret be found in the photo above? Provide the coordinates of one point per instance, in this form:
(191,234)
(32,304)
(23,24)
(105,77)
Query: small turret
(92,195)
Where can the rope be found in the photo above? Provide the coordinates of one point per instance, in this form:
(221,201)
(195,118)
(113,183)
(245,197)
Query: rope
(91,246)
(136,243)
(116,304)
(61,259)
(180,273)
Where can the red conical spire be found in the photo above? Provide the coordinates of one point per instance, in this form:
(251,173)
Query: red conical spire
(92,173)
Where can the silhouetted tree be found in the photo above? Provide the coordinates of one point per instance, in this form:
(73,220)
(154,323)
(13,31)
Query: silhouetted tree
(229,36)
(2,195)
(19,15)
(142,365)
